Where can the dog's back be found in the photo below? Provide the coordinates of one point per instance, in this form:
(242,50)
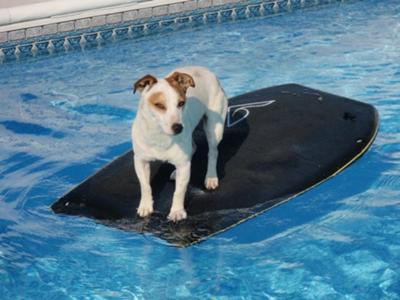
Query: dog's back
(207,85)
(207,98)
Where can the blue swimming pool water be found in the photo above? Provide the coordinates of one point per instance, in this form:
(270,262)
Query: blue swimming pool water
(64,117)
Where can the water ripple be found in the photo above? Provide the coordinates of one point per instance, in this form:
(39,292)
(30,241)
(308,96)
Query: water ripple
(64,117)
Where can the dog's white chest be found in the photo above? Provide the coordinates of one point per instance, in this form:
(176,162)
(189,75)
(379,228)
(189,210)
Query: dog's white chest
(171,150)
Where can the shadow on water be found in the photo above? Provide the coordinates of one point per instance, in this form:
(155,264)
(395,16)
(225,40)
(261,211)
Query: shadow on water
(30,128)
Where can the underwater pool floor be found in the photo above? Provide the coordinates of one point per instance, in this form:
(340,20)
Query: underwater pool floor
(63,117)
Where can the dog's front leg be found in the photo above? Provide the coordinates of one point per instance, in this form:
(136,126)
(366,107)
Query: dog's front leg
(142,168)
(177,211)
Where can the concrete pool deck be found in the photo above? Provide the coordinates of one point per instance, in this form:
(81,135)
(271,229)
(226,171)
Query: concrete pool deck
(30,19)
(13,3)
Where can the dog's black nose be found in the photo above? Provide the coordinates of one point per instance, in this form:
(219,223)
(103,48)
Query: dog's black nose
(177,128)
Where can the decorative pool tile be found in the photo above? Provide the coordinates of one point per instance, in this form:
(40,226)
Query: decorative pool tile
(3,37)
(83,23)
(152,28)
(225,15)
(9,52)
(58,44)
(75,42)
(198,19)
(25,49)
(190,5)
(175,8)
(129,15)
(98,21)
(145,13)
(253,11)
(16,35)
(240,13)
(49,29)
(66,26)
(41,48)
(159,11)
(94,31)
(33,32)
(114,18)
(204,3)
(91,39)
(211,17)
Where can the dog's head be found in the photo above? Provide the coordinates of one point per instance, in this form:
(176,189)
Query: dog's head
(165,99)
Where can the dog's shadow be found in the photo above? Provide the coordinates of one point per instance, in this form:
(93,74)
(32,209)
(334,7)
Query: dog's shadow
(163,187)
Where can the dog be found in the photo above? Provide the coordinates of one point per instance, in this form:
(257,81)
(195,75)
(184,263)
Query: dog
(169,110)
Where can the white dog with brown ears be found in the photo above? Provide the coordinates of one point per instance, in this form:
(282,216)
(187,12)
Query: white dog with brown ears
(170,109)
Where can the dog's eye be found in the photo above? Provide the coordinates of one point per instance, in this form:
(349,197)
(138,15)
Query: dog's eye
(160,106)
(181,103)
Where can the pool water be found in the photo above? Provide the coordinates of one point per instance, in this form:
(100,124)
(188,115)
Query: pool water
(64,117)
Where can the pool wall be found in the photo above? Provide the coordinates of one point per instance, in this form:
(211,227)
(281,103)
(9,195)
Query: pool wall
(96,27)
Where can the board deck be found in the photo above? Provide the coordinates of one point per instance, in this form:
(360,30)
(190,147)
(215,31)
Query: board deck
(278,143)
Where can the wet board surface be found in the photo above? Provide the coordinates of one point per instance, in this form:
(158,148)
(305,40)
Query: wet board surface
(279,142)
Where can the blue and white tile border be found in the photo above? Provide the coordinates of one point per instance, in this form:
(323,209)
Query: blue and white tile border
(96,30)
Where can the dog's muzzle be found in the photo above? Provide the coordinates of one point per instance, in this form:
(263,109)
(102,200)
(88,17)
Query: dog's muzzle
(177,128)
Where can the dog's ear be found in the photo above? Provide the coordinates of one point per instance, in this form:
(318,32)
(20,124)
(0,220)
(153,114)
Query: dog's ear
(147,80)
(184,80)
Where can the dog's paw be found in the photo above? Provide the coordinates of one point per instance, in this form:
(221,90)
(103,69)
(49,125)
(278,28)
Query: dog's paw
(173,175)
(177,215)
(145,210)
(211,183)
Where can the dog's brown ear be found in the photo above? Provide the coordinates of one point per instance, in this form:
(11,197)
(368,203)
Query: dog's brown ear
(184,80)
(147,80)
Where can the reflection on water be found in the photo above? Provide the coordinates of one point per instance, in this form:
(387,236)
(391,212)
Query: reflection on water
(64,117)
